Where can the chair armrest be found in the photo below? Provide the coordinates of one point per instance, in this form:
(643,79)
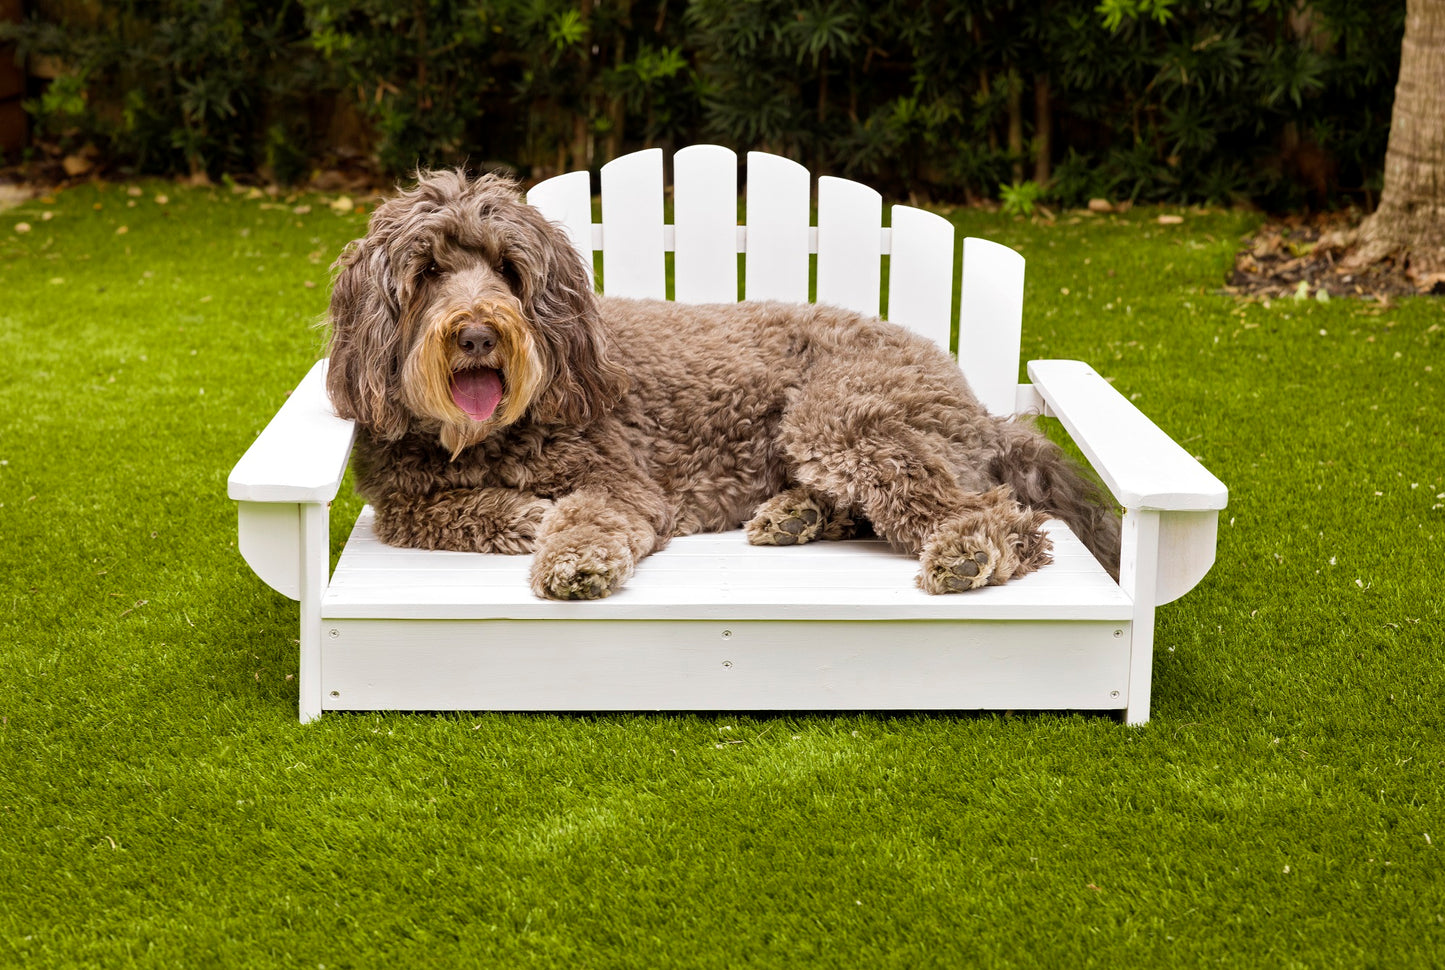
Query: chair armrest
(301,455)
(1141,465)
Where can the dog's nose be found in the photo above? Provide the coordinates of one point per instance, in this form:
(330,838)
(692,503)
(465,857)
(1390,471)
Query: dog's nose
(477,339)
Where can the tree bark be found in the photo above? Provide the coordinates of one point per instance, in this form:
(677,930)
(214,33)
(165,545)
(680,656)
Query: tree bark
(1016,123)
(1043,129)
(1409,225)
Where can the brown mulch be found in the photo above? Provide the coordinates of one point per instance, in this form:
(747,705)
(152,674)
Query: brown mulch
(51,170)
(1300,256)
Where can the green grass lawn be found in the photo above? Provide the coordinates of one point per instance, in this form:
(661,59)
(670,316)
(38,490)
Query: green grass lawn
(160,805)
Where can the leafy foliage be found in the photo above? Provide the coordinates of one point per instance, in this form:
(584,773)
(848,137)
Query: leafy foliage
(1206,100)
(173,85)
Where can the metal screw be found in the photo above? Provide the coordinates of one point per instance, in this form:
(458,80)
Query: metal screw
(335,633)
(727,663)
(1113,693)
(727,634)
(336,693)
(1118,634)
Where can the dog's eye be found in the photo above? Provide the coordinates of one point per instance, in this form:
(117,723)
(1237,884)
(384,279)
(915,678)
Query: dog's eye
(509,272)
(432,271)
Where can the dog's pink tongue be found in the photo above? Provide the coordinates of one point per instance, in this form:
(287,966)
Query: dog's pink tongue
(477,392)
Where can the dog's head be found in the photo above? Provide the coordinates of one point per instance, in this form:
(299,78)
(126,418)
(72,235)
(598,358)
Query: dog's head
(463,311)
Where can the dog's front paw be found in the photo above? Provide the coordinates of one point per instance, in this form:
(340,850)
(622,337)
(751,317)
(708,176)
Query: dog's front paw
(521,535)
(564,572)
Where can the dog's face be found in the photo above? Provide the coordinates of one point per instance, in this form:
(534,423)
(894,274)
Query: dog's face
(461,312)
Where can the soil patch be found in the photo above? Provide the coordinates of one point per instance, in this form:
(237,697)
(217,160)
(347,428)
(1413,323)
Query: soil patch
(1302,257)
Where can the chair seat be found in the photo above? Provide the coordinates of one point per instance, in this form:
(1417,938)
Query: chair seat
(714,576)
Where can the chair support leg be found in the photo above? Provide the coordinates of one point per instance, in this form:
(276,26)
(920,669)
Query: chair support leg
(1138,575)
(315,567)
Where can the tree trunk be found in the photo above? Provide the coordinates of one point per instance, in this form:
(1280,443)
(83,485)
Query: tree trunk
(1043,129)
(1409,225)
(1016,123)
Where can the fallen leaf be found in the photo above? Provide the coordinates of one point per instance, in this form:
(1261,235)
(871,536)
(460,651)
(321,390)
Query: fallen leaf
(76,165)
(121,230)
(1100,205)
(1169,220)
(22,227)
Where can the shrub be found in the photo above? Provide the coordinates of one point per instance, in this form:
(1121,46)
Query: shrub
(174,85)
(1213,100)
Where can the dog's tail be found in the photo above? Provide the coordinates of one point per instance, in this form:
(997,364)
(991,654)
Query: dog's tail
(1043,477)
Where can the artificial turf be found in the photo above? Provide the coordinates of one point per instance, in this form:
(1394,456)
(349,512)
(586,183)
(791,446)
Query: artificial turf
(161,806)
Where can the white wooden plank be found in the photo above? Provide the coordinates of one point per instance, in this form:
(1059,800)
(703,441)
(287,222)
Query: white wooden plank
(632,256)
(716,575)
(850,217)
(1142,466)
(705,225)
(722,665)
(567,200)
(301,454)
(990,322)
(776,266)
(920,273)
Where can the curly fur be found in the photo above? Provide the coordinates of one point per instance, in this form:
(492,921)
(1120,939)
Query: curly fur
(610,425)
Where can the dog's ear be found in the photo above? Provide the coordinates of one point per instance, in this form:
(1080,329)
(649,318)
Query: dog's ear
(556,293)
(365,339)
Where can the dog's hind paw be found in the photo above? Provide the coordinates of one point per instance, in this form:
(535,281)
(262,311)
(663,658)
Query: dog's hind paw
(957,565)
(796,516)
(785,523)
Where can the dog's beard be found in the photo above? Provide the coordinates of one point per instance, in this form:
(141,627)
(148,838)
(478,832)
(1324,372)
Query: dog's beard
(472,398)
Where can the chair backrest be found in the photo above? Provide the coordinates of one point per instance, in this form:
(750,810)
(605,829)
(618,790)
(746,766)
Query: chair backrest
(777,243)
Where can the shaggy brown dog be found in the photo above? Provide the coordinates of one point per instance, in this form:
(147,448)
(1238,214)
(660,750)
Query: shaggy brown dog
(505,407)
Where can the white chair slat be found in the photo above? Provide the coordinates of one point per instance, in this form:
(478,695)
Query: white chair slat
(850,220)
(991,322)
(779,191)
(705,223)
(920,273)
(567,200)
(632,260)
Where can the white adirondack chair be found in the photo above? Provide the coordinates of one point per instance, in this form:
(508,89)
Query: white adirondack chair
(712,623)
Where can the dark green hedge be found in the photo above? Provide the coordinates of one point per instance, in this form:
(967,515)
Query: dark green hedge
(1274,100)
